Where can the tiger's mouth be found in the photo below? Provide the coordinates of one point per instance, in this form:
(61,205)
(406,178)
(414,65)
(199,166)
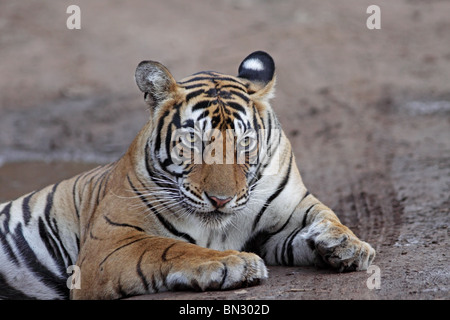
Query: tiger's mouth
(218,212)
(214,212)
(213,218)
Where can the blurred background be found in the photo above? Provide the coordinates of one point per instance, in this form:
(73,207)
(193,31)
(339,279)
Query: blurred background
(367,111)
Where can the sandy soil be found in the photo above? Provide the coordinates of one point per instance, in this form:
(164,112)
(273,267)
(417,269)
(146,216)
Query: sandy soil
(367,112)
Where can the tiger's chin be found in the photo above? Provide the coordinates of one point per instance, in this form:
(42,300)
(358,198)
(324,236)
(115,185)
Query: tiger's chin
(214,219)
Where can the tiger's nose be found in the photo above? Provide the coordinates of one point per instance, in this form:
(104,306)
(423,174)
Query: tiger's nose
(218,202)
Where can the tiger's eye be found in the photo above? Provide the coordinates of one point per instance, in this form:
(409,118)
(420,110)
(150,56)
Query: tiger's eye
(245,142)
(191,137)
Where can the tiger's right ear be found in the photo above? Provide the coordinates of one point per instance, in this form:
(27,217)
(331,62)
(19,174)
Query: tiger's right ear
(259,68)
(155,81)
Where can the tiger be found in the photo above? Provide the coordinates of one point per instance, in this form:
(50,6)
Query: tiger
(207,196)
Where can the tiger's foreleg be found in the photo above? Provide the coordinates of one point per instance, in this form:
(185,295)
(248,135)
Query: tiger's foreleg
(315,236)
(139,263)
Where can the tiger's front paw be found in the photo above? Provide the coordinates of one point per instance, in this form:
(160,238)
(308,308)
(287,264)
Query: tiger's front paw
(342,250)
(232,269)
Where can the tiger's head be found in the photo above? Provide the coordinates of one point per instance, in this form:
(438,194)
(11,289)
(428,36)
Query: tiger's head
(209,135)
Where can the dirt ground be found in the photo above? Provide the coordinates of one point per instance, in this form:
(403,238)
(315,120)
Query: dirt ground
(367,112)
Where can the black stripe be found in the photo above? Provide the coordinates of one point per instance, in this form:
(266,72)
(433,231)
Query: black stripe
(307,193)
(194,94)
(26,208)
(167,162)
(203,115)
(166,250)
(277,262)
(275,194)
(119,290)
(194,80)
(147,160)
(290,248)
(8,292)
(50,279)
(201,105)
(7,247)
(52,229)
(154,286)
(237,93)
(161,219)
(52,246)
(208,72)
(121,247)
(306,215)
(210,238)
(258,241)
(255,120)
(49,206)
(77,241)
(74,195)
(193,86)
(122,224)
(159,129)
(189,123)
(107,181)
(237,107)
(285,242)
(216,78)
(176,119)
(140,273)
(167,143)
(152,174)
(269,133)
(99,183)
(224,277)
(270,152)
(216,120)
(92,172)
(7,212)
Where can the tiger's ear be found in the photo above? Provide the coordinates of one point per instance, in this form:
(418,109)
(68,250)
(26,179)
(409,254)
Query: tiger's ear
(259,69)
(155,81)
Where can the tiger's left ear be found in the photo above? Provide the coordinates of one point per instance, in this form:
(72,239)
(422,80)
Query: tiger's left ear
(155,81)
(259,69)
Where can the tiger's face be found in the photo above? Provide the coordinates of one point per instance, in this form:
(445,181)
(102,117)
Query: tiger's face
(209,133)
